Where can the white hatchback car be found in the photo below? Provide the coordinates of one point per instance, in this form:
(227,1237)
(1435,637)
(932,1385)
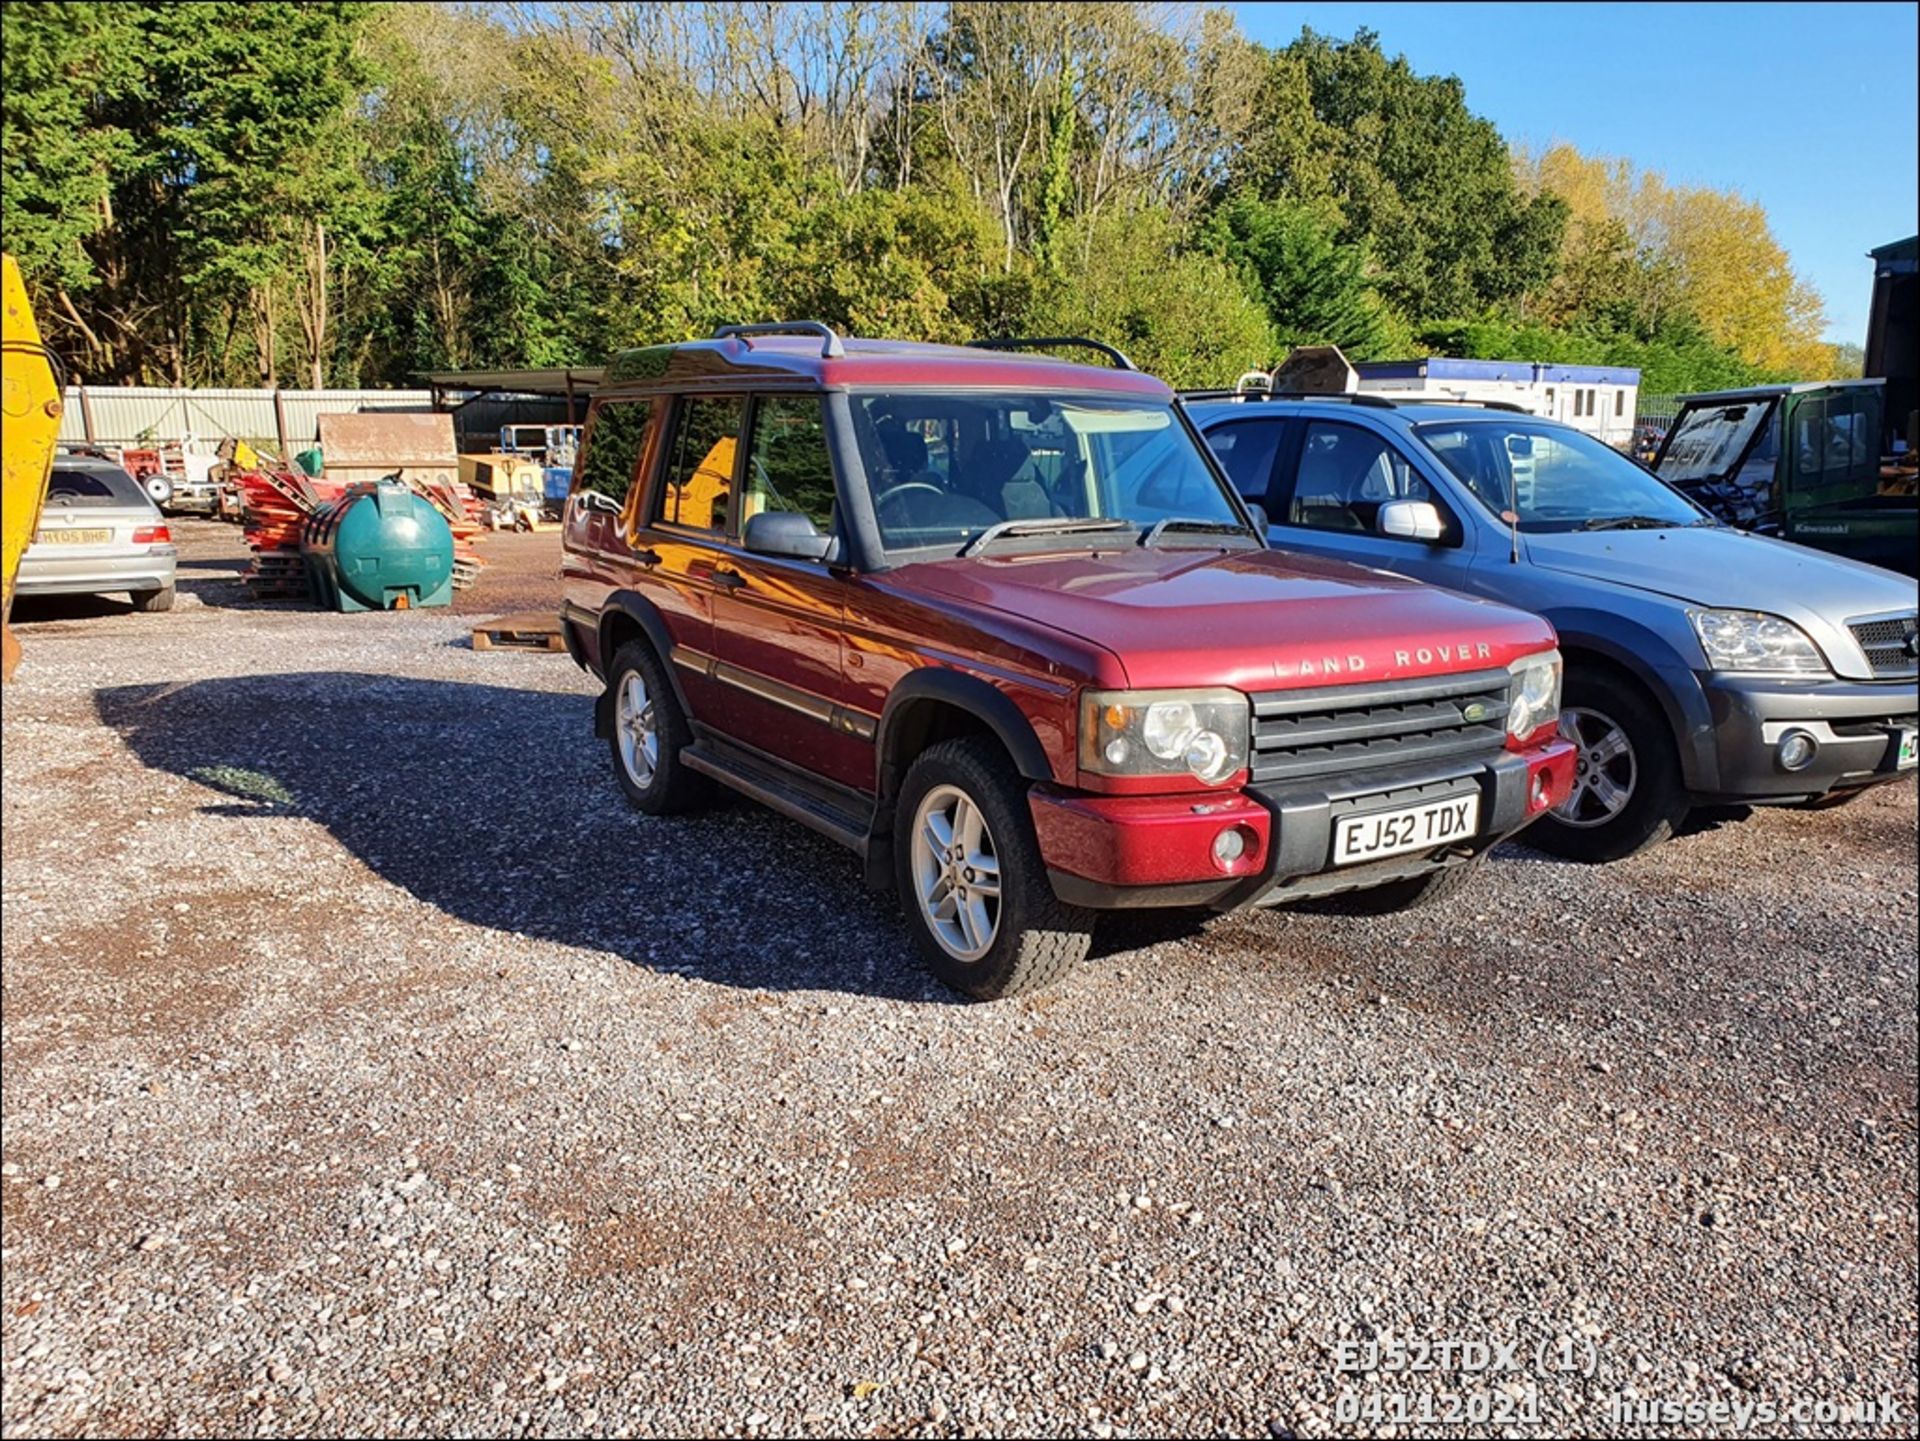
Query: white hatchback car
(99,534)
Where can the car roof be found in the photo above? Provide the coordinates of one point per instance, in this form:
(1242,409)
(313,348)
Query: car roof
(1767,392)
(784,360)
(65,460)
(1403,414)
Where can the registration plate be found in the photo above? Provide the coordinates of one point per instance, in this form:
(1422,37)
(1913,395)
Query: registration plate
(73,537)
(1411,828)
(1905,756)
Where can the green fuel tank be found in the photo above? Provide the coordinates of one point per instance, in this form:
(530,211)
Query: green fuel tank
(379,547)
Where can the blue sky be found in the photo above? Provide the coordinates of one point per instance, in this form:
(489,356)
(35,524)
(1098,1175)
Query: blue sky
(1808,109)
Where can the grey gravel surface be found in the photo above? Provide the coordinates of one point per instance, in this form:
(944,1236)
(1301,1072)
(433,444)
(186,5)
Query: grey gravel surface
(369,1067)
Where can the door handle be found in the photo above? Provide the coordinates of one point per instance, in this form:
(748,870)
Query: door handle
(729,579)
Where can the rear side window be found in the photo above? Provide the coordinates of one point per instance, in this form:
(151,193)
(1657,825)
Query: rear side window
(94,487)
(615,445)
(698,489)
(789,468)
(1246,450)
(1831,437)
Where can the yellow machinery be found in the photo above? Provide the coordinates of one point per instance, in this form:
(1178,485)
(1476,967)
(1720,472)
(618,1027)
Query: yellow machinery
(30,385)
(513,487)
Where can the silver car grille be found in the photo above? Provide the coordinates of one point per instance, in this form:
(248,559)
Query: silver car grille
(1890,644)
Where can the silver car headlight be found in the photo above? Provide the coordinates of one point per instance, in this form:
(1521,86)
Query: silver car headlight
(1198,733)
(1751,640)
(1534,693)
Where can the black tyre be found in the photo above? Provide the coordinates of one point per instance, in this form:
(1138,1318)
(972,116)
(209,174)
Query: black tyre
(1405,895)
(161,599)
(971,879)
(1628,795)
(649,733)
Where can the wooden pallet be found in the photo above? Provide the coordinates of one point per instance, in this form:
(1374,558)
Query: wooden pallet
(523,630)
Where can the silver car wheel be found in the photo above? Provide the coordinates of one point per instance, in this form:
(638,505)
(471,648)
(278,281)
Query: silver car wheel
(956,873)
(634,726)
(1604,769)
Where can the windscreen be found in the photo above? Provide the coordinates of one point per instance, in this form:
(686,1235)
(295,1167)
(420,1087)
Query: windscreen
(945,467)
(1709,440)
(1555,478)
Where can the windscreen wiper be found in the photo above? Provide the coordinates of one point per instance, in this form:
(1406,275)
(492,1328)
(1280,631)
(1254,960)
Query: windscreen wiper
(1043,525)
(1631,522)
(1189,525)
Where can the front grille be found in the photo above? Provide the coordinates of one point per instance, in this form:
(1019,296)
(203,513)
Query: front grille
(1340,729)
(1889,644)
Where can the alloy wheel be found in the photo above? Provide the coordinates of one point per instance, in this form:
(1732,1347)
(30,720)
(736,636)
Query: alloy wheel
(1604,769)
(956,873)
(634,726)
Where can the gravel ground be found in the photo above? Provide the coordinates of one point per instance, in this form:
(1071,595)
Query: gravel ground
(369,1067)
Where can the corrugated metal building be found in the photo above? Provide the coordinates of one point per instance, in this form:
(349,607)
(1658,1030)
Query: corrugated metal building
(122,414)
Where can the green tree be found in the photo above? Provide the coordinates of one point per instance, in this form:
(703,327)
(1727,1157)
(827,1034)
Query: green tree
(1315,289)
(1409,170)
(1180,312)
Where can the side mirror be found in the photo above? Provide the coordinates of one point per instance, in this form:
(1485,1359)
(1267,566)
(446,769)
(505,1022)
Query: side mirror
(1412,520)
(787,533)
(1259,514)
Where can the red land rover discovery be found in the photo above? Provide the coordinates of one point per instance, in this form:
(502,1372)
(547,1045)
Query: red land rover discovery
(997,623)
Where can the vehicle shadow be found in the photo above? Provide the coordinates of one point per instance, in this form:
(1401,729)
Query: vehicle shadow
(222,584)
(28,609)
(495,806)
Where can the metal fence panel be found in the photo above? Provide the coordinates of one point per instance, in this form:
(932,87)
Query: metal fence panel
(1657,409)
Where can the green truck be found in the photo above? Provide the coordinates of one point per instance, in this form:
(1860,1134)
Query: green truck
(1802,462)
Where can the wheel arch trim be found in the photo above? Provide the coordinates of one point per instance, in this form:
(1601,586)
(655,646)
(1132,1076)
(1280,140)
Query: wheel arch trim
(631,605)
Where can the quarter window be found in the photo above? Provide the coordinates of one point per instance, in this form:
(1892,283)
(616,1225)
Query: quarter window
(789,468)
(615,444)
(699,478)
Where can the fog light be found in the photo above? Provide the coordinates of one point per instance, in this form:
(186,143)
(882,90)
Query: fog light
(1230,845)
(1796,751)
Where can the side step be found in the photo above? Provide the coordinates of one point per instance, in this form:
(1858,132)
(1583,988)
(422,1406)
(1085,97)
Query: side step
(779,788)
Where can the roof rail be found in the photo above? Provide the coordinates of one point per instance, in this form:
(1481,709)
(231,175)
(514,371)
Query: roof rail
(1368,399)
(1470,400)
(830,347)
(1048,342)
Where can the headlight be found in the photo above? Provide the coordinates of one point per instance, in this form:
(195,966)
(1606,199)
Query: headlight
(1753,641)
(1201,733)
(1534,693)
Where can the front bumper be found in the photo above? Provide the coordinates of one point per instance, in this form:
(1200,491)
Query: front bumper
(1125,852)
(149,568)
(1855,727)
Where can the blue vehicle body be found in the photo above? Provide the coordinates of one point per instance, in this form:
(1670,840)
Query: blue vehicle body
(1624,600)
